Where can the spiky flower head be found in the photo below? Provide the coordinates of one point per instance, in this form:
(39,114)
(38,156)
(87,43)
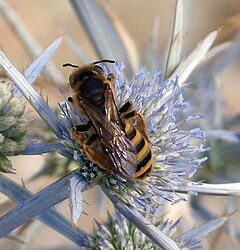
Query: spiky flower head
(120,233)
(12,126)
(175,150)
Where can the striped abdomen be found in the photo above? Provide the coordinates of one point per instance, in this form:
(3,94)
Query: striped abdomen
(143,151)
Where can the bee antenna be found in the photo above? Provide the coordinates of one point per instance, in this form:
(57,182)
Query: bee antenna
(105,60)
(70,65)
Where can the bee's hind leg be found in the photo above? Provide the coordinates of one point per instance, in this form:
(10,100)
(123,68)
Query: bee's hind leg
(91,145)
(79,132)
(94,151)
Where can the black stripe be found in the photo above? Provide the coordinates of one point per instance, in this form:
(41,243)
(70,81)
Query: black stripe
(143,175)
(130,114)
(140,145)
(83,127)
(144,161)
(91,139)
(132,134)
(123,126)
(125,107)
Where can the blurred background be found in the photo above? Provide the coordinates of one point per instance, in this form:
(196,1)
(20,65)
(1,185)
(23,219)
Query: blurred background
(47,20)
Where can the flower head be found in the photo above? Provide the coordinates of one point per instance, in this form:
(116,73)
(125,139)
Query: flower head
(12,126)
(119,233)
(166,113)
(175,150)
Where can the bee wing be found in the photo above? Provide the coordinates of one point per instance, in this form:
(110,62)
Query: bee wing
(112,114)
(109,129)
(123,156)
(120,149)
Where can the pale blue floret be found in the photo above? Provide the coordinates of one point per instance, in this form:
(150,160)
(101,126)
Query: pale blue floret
(166,113)
(176,151)
(118,233)
(175,144)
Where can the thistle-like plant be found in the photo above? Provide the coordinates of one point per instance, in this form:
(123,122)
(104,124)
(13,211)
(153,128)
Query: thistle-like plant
(176,146)
(13,126)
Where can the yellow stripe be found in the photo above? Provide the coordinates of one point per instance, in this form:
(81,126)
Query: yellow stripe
(143,151)
(137,138)
(128,128)
(145,168)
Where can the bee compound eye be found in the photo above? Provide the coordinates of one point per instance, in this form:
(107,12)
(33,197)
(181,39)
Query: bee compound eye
(71,80)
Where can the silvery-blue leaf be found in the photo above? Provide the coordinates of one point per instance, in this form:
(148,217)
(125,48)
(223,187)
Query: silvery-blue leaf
(33,47)
(76,185)
(41,148)
(48,197)
(33,206)
(152,60)
(203,230)
(20,28)
(226,135)
(50,217)
(36,67)
(218,50)
(173,57)
(128,42)
(201,211)
(223,55)
(210,189)
(104,37)
(232,223)
(217,58)
(32,96)
(141,223)
(186,67)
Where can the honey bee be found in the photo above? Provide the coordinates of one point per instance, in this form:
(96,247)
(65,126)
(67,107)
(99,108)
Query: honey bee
(115,139)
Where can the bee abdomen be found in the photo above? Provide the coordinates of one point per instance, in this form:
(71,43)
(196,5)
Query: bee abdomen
(143,151)
(144,164)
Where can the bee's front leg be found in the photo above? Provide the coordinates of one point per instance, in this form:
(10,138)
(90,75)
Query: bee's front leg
(91,145)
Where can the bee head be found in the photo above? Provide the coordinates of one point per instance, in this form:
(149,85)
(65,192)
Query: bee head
(81,74)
